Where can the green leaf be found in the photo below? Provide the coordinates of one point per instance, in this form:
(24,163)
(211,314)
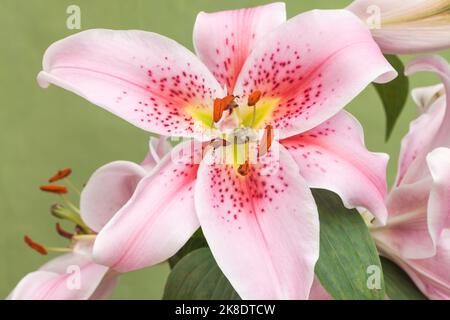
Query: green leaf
(349,260)
(197,277)
(393,94)
(398,284)
(197,241)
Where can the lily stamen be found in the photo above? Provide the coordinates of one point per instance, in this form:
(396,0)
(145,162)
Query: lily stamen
(217,143)
(63,174)
(54,189)
(253,99)
(223,104)
(42,249)
(57,249)
(63,233)
(218,110)
(72,186)
(69,204)
(35,246)
(266,141)
(60,174)
(84,237)
(61,190)
(244,168)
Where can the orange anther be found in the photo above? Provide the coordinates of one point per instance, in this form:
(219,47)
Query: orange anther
(220,105)
(227,101)
(266,140)
(253,98)
(54,189)
(61,174)
(244,168)
(218,110)
(34,245)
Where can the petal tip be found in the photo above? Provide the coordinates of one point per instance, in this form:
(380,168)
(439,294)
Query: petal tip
(434,63)
(42,80)
(387,76)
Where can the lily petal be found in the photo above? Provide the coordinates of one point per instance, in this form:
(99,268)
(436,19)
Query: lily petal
(263,229)
(411,26)
(108,190)
(439,204)
(407,231)
(318,292)
(158,219)
(310,67)
(431,130)
(419,212)
(106,287)
(160,147)
(72,276)
(424,97)
(223,40)
(419,141)
(147,79)
(333,156)
(157,149)
(430,275)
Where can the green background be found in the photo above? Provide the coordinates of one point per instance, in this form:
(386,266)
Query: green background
(44,130)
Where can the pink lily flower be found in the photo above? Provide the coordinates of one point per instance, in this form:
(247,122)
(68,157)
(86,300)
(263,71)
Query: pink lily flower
(416,216)
(293,77)
(112,185)
(403,27)
(429,274)
(75,275)
(72,276)
(416,234)
(318,292)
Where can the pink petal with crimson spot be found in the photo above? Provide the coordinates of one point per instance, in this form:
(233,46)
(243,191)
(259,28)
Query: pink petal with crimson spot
(262,228)
(223,40)
(145,78)
(315,63)
(158,219)
(333,156)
